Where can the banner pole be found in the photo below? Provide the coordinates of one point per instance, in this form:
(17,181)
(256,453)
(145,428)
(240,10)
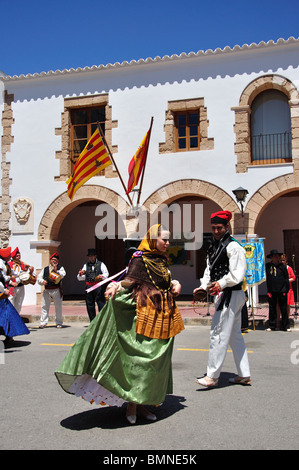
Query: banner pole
(112,159)
(141,182)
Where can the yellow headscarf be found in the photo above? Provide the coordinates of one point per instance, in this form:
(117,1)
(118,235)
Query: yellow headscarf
(149,243)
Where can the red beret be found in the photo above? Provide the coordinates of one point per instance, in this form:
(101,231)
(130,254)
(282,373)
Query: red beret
(221,217)
(5,252)
(55,255)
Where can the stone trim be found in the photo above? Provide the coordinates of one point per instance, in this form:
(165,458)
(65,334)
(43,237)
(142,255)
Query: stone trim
(242,118)
(6,141)
(168,146)
(57,211)
(64,131)
(266,194)
(192,187)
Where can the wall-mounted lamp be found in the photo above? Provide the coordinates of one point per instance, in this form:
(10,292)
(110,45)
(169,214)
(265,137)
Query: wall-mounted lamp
(240,194)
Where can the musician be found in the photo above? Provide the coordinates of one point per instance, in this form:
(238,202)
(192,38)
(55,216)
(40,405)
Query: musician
(5,255)
(223,278)
(50,277)
(17,267)
(11,324)
(93,272)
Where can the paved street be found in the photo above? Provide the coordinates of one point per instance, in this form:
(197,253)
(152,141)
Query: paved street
(37,414)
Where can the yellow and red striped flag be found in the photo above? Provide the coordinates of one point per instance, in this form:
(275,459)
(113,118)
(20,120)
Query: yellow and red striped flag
(138,161)
(93,159)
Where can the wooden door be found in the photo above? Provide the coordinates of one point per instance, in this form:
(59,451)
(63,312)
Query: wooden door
(112,253)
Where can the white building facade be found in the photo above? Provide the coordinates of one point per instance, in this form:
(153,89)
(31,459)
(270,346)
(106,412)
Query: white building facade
(223,119)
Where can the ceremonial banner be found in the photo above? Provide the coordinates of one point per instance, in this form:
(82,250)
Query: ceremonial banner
(93,159)
(255,258)
(137,163)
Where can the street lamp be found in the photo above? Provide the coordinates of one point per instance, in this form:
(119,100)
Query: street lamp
(240,194)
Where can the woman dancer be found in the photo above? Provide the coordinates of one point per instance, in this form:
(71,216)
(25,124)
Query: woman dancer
(125,353)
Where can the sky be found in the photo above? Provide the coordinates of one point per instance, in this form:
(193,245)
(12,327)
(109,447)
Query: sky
(38,36)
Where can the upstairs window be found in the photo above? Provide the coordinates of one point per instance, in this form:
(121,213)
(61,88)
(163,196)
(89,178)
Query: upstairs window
(83,125)
(271,137)
(187,135)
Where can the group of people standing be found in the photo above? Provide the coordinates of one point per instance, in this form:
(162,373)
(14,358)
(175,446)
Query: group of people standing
(51,278)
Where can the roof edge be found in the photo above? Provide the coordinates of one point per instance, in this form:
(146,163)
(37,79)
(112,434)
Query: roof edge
(149,60)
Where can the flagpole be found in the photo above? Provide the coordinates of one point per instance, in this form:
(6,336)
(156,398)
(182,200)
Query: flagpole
(112,159)
(141,182)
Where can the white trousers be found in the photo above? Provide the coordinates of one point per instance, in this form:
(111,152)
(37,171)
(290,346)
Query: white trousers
(48,295)
(226,331)
(18,297)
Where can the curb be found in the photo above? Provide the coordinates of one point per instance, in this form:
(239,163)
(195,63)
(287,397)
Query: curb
(188,321)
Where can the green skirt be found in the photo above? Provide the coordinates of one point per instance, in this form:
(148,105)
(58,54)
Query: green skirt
(111,364)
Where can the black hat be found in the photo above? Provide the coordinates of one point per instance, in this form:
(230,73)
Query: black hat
(273,252)
(91,251)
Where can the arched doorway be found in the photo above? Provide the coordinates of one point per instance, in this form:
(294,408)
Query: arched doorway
(278,224)
(75,222)
(77,233)
(190,266)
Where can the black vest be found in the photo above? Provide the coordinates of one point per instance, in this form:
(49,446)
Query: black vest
(93,270)
(46,277)
(218,259)
(219,267)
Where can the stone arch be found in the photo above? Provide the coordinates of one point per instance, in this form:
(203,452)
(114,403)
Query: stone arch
(61,206)
(48,230)
(265,195)
(192,187)
(243,111)
(268,82)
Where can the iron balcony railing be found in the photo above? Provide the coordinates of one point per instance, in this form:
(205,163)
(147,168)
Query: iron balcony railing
(271,148)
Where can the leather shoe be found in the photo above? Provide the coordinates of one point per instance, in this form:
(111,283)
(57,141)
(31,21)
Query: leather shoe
(142,411)
(207,382)
(131,413)
(240,380)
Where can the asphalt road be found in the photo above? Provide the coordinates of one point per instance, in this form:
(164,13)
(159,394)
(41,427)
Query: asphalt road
(37,415)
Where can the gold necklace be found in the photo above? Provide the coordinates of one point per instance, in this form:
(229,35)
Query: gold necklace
(161,270)
(158,267)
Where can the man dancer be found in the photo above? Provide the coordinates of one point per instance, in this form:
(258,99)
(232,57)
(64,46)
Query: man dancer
(223,278)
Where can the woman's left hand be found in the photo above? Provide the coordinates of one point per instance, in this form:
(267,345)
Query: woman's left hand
(110,292)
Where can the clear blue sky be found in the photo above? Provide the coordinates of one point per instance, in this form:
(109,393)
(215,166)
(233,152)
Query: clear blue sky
(37,36)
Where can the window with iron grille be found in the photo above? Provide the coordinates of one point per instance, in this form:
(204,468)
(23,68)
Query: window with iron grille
(271,137)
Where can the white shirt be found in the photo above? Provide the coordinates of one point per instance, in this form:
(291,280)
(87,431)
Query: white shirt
(4,270)
(104,270)
(16,270)
(237,268)
(40,277)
